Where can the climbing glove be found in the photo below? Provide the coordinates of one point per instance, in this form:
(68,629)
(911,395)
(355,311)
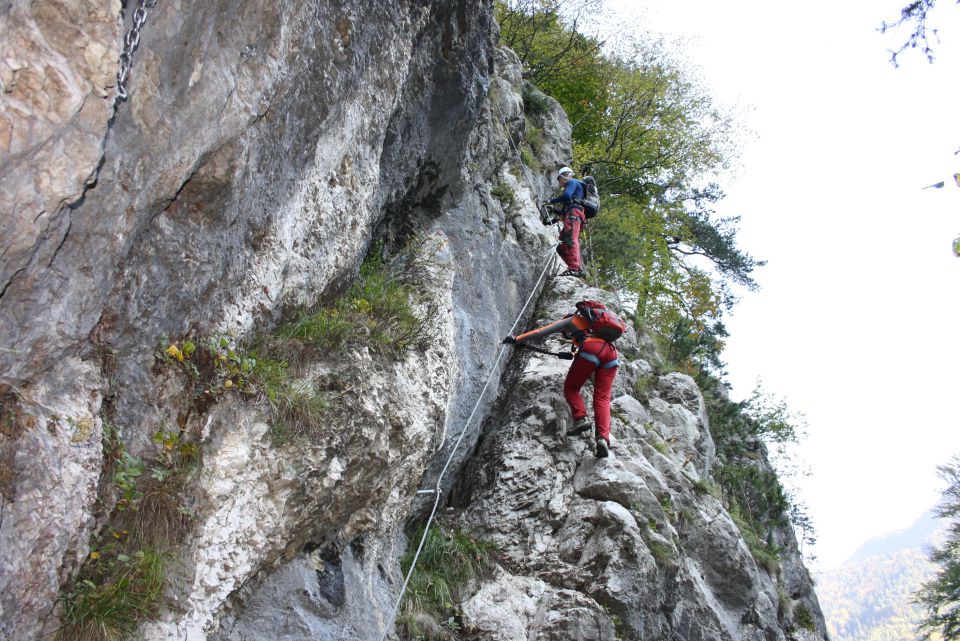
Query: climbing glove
(509,340)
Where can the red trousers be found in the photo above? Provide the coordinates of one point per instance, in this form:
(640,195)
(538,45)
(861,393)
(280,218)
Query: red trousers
(596,358)
(569,247)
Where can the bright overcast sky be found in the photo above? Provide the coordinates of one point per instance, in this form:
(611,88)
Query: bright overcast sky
(856,321)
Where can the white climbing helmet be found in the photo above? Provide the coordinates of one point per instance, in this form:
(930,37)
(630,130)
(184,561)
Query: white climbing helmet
(563,171)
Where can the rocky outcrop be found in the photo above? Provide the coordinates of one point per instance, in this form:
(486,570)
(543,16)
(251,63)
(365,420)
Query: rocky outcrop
(263,150)
(634,542)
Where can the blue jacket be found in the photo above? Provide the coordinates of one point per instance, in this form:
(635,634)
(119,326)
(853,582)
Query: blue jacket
(573,193)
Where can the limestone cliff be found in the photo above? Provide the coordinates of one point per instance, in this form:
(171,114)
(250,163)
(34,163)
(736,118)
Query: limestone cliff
(263,151)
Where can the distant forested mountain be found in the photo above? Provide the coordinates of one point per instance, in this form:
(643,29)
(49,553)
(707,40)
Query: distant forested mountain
(869,597)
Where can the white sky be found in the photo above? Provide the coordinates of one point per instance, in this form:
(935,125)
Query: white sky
(856,321)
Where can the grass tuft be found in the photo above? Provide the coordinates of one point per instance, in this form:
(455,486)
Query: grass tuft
(113,595)
(378,310)
(446,570)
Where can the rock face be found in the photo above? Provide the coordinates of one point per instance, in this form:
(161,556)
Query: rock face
(263,150)
(631,543)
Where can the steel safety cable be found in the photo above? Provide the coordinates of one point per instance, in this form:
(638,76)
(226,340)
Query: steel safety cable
(503,123)
(437,491)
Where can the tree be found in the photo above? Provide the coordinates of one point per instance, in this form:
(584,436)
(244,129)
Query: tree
(557,57)
(941,596)
(915,14)
(653,138)
(743,433)
(658,140)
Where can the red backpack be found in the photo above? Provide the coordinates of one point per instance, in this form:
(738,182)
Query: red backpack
(603,323)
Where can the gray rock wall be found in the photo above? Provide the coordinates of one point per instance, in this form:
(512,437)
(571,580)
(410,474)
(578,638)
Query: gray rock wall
(262,151)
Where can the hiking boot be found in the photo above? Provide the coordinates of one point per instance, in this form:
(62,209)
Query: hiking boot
(578,273)
(603,448)
(580,426)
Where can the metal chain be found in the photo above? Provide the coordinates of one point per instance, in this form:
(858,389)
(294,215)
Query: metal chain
(130,43)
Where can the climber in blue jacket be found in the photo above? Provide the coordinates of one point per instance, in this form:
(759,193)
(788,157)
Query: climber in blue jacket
(573,218)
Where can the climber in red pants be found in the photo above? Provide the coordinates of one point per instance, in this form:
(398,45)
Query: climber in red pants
(571,215)
(592,328)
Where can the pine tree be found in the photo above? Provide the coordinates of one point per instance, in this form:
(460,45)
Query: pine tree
(941,596)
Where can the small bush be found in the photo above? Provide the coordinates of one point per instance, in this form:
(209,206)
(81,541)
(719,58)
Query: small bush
(121,581)
(766,554)
(534,137)
(152,513)
(535,103)
(704,488)
(296,406)
(449,563)
(643,388)
(528,159)
(662,553)
(803,618)
(504,193)
(657,443)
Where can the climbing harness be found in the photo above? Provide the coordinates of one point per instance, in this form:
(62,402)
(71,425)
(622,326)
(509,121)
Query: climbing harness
(436,491)
(130,43)
(566,356)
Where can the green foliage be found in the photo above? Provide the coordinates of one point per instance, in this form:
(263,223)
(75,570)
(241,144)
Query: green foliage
(750,486)
(765,552)
(532,147)
(115,593)
(803,618)
(536,104)
(120,583)
(448,565)
(940,597)
(642,388)
(759,494)
(128,471)
(377,310)
(659,445)
(552,50)
(296,405)
(654,139)
(695,350)
(662,553)
(705,488)
(504,193)
(528,159)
